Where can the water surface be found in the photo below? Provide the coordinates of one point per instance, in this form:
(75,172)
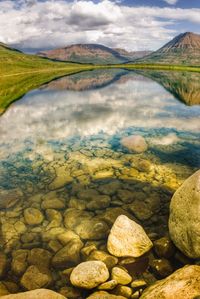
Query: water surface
(61,150)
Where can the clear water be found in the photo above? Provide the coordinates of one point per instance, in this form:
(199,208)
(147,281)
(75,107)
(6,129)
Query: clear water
(62,142)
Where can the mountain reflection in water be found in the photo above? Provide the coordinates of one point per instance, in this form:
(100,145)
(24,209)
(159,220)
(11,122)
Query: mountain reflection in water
(185,86)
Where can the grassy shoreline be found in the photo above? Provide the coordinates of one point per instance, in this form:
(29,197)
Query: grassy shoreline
(79,67)
(15,83)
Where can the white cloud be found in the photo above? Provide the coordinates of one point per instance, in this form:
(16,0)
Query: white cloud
(171,2)
(55,23)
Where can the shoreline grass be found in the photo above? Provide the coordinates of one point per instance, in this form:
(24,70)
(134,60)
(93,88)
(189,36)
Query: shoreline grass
(77,67)
(17,82)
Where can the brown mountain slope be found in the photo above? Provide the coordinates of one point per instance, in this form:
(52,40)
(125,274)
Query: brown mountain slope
(183,49)
(92,53)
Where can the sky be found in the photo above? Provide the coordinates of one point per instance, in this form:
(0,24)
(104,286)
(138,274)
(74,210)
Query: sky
(35,25)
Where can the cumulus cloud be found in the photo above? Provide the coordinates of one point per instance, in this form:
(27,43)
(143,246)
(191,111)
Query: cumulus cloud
(171,2)
(53,23)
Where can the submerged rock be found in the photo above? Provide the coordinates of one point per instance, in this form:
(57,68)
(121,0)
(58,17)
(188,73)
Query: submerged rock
(89,275)
(121,276)
(3,264)
(108,285)
(19,261)
(68,255)
(92,229)
(184,217)
(135,143)
(33,216)
(161,267)
(62,178)
(98,255)
(9,198)
(184,283)
(164,247)
(127,238)
(104,295)
(40,293)
(33,279)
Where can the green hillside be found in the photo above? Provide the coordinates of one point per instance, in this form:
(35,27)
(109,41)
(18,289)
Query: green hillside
(13,61)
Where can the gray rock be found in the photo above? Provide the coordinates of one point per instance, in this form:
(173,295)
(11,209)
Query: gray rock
(184,217)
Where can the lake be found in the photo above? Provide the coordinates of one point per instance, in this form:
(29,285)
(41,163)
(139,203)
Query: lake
(65,172)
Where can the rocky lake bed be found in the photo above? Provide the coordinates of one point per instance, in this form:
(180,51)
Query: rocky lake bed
(107,214)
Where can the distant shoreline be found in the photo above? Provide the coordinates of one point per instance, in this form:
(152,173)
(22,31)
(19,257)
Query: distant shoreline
(87,67)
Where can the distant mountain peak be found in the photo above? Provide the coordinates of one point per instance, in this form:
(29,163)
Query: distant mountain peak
(187,40)
(182,49)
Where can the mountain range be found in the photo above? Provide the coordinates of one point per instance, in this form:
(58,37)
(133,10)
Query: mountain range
(184,49)
(92,53)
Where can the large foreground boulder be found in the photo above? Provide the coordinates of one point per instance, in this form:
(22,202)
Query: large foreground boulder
(182,284)
(127,238)
(184,220)
(36,294)
(89,275)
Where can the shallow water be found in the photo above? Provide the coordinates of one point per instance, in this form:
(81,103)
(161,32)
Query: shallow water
(61,150)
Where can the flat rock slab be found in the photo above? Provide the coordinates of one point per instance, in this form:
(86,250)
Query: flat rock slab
(127,238)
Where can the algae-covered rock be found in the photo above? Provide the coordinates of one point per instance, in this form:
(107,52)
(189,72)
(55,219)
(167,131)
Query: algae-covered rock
(33,216)
(68,255)
(89,275)
(184,217)
(183,283)
(9,198)
(62,178)
(127,238)
(33,279)
(19,261)
(3,264)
